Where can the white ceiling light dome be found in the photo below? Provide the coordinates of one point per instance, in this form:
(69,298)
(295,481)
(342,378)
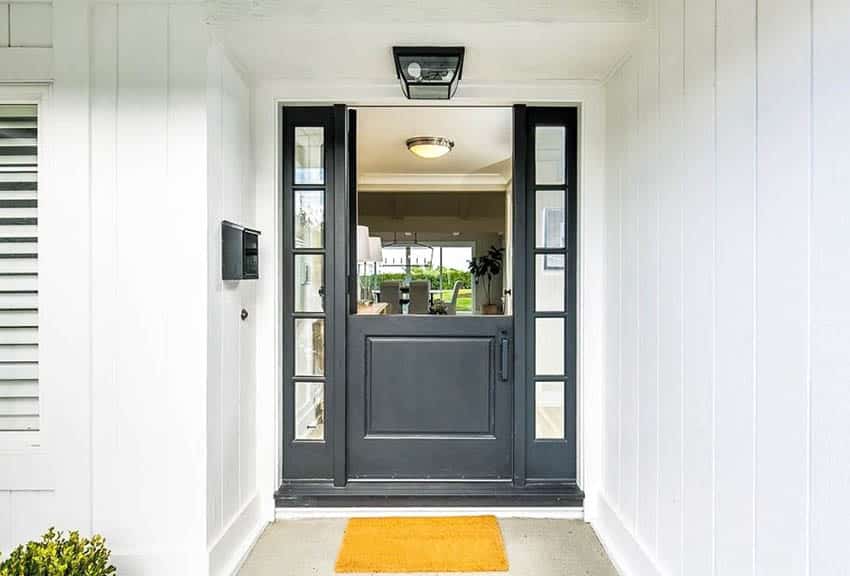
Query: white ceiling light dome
(430,146)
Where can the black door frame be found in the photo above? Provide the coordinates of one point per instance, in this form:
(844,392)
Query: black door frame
(331,487)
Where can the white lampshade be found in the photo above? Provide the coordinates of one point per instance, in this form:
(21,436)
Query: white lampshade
(362,243)
(376,250)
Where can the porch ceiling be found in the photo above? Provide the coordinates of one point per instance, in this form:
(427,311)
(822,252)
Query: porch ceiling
(350,40)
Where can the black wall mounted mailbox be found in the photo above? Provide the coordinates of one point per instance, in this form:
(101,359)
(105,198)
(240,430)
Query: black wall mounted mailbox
(240,252)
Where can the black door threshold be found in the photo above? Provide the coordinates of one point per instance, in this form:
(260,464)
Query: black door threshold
(427,494)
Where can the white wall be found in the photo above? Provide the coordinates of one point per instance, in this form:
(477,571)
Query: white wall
(149,227)
(233,502)
(26,38)
(726,429)
(124,299)
(32,494)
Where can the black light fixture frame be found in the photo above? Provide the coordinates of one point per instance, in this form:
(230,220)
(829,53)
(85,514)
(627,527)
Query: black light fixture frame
(425,52)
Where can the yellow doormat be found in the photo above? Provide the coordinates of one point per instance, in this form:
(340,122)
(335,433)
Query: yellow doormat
(455,544)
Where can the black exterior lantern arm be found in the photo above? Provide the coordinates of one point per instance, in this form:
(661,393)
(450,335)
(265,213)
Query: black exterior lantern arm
(429,72)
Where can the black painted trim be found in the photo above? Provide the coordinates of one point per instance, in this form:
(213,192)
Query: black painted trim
(301,458)
(429,494)
(552,458)
(520,296)
(335,332)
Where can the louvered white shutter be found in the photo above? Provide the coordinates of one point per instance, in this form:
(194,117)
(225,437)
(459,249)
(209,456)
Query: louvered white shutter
(19,401)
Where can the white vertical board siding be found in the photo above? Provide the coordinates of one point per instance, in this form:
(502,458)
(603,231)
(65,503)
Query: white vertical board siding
(670,192)
(30,24)
(751,166)
(141,143)
(214,314)
(698,224)
(648,209)
(233,505)
(612,288)
(186,352)
(830,284)
(629,244)
(782,291)
(735,283)
(104,189)
(148,198)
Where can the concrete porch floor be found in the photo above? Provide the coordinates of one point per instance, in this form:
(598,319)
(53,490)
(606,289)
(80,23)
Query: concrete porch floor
(534,548)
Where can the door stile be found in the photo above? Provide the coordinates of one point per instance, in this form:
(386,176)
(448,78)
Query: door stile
(340,237)
(520,300)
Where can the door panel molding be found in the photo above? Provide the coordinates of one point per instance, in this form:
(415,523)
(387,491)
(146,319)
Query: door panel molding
(427,364)
(410,391)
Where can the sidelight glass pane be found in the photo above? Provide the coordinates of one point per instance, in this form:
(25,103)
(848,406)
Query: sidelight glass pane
(549,144)
(309,218)
(550,225)
(310,155)
(549,346)
(549,282)
(309,282)
(309,347)
(549,411)
(309,410)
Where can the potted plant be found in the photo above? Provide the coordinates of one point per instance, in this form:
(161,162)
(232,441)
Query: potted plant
(486,267)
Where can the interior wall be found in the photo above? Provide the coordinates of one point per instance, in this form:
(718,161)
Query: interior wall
(479,216)
(233,503)
(726,428)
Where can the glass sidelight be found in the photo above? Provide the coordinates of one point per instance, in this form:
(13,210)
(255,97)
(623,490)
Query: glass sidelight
(314,284)
(308,289)
(308,277)
(550,280)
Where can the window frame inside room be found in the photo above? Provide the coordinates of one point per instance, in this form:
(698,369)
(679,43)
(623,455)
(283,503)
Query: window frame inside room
(437,245)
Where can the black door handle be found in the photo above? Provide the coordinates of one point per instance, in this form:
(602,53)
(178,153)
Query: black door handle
(504,358)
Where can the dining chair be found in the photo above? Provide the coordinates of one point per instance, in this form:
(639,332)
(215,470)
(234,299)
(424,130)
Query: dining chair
(420,293)
(391,294)
(451,306)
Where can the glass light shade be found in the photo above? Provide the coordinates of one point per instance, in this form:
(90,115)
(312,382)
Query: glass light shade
(362,243)
(430,146)
(376,250)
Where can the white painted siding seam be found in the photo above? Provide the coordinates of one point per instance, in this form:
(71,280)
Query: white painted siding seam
(657,183)
(809,208)
(637,245)
(756,251)
(714,274)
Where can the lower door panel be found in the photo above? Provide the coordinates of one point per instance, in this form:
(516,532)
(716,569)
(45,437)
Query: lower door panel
(430,397)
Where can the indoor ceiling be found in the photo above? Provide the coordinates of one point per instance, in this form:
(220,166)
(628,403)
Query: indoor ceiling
(482,139)
(351,40)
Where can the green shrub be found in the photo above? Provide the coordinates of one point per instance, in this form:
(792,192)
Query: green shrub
(58,555)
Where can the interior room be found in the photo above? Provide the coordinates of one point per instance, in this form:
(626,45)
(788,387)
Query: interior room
(433,197)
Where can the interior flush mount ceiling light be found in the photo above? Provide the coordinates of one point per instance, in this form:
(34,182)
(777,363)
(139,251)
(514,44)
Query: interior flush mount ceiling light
(429,72)
(430,146)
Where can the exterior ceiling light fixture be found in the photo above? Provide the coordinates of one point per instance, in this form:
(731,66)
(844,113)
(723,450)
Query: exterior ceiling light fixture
(430,146)
(429,72)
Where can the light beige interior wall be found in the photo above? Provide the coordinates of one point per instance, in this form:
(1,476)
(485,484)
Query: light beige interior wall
(434,216)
